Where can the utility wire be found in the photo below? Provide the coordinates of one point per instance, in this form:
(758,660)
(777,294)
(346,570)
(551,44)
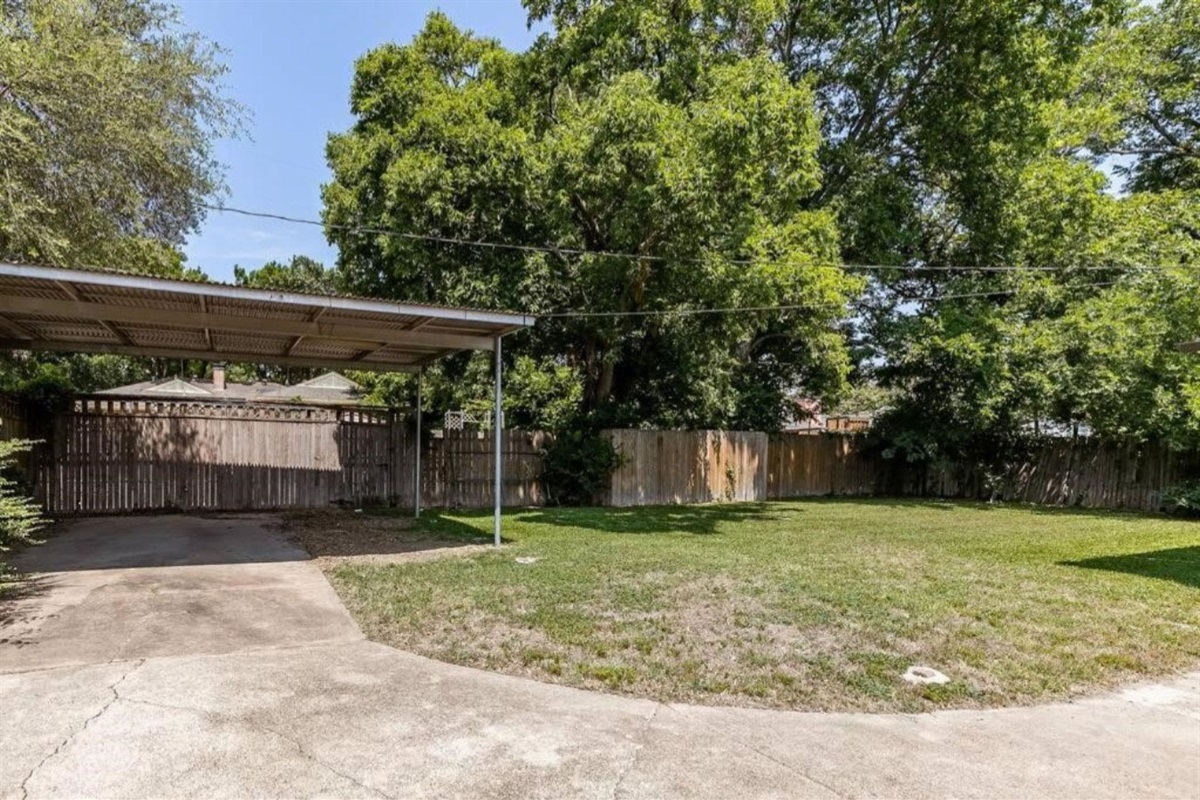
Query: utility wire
(574,251)
(796,307)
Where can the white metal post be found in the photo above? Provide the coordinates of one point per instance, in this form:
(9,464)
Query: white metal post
(498,424)
(417,450)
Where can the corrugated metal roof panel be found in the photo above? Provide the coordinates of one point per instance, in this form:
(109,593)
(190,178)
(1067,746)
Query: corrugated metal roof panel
(49,308)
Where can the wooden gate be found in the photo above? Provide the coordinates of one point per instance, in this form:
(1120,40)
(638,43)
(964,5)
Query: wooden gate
(115,456)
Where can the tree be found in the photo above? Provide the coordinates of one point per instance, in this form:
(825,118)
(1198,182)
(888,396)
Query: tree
(108,112)
(20,516)
(1083,333)
(1140,84)
(926,107)
(930,114)
(703,187)
(1091,343)
(300,274)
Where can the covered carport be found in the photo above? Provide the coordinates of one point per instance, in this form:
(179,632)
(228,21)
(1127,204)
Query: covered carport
(98,311)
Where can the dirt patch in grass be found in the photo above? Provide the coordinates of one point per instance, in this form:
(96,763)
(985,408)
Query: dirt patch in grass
(817,605)
(378,536)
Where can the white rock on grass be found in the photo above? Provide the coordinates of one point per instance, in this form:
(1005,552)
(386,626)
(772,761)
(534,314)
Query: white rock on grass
(525,560)
(924,675)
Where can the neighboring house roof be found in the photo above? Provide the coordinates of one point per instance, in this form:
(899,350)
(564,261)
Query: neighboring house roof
(328,389)
(837,423)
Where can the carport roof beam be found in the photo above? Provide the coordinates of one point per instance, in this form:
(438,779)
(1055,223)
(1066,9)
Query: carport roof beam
(51,308)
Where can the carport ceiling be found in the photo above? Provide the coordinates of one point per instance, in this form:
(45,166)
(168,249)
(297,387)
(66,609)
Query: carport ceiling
(47,308)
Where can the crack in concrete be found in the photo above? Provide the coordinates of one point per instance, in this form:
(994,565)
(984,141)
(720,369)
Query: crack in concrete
(310,757)
(338,640)
(86,723)
(637,739)
(789,767)
(229,718)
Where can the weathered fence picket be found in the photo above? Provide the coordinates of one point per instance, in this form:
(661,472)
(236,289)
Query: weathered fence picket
(116,455)
(113,456)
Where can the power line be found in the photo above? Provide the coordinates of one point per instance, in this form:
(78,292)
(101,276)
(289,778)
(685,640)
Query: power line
(794,307)
(670,312)
(965,295)
(575,251)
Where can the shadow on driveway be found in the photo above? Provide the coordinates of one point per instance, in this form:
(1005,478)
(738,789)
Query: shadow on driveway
(130,542)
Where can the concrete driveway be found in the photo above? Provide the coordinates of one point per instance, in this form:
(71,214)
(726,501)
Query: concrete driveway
(177,657)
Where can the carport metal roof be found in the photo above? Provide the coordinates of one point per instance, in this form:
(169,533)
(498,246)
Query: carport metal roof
(48,308)
(84,311)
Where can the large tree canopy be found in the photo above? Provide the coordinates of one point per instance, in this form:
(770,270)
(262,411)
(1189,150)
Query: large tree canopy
(108,112)
(739,148)
(1083,333)
(927,107)
(1141,83)
(701,191)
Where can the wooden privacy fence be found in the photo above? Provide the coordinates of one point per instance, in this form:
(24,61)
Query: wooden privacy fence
(458,469)
(808,466)
(661,467)
(12,420)
(14,425)
(1088,473)
(113,456)
(705,466)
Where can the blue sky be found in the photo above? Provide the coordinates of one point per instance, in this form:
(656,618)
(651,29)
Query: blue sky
(291,65)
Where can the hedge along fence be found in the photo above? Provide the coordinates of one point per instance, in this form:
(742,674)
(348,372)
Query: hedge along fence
(663,467)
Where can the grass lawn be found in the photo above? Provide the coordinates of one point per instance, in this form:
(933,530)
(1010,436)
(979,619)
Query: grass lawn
(818,604)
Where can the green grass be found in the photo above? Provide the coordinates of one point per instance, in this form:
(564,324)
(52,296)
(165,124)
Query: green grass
(809,605)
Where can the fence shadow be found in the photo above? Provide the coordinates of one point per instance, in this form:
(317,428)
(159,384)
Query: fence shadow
(169,540)
(948,504)
(1177,564)
(699,520)
(378,531)
(440,526)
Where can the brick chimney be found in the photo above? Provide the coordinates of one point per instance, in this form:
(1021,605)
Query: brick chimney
(219,376)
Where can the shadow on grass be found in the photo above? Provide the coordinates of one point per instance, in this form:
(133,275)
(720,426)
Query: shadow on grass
(450,525)
(708,519)
(376,532)
(702,520)
(1178,564)
(954,503)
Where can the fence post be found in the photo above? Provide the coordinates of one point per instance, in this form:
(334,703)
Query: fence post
(417,453)
(499,424)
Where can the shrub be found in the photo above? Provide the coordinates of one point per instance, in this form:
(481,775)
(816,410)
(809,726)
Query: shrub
(1183,499)
(577,466)
(20,517)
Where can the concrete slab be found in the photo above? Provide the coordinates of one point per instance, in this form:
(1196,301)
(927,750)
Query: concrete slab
(285,707)
(123,588)
(357,719)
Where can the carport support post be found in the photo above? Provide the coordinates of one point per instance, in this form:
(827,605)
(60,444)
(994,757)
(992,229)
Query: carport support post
(498,424)
(417,450)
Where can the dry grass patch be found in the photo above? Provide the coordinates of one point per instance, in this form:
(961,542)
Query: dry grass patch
(806,605)
(375,536)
